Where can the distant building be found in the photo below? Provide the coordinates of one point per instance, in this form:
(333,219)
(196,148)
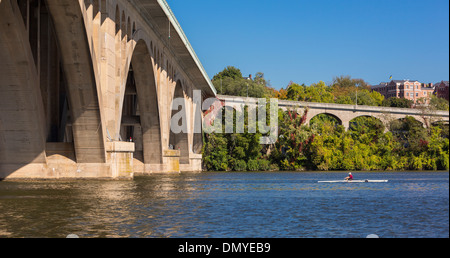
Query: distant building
(441,90)
(428,90)
(408,89)
(381,88)
(248,78)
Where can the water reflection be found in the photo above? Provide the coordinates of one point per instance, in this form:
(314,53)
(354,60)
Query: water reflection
(228,205)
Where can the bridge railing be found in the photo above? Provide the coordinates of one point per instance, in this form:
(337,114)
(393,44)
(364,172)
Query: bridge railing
(344,107)
(185,40)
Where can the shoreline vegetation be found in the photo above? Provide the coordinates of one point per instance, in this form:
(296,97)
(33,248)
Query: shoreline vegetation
(324,145)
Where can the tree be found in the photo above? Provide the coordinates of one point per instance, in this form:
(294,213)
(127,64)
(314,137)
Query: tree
(344,85)
(318,121)
(439,103)
(343,82)
(411,134)
(377,98)
(345,99)
(397,102)
(225,152)
(346,90)
(280,94)
(296,92)
(230,72)
(366,129)
(215,153)
(230,82)
(291,151)
(316,92)
(319,92)
(327,149)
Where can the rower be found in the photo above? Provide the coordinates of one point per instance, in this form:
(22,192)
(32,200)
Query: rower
(350,177)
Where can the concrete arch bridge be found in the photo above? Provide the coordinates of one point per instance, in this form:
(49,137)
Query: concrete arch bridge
(343,113)
(86,89)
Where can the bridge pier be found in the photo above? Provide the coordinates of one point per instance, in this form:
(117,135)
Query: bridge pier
(82,78)
(120,155)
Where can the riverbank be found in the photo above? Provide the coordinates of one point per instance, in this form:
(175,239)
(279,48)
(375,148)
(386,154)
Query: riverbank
(324,145)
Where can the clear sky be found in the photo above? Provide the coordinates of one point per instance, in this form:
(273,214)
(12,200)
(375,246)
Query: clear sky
(316,40)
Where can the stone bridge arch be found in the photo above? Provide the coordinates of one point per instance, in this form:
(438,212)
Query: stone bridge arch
(378,124)
(60,93)
(178,137)
(68,102)
(22,114)
(311,117)
(77,64)
(140,113)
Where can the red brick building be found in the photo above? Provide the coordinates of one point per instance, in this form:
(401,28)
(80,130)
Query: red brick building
(441,90)
(408,89)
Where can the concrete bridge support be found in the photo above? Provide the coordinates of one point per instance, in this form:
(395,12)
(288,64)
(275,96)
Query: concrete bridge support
(22,131)
(80,79)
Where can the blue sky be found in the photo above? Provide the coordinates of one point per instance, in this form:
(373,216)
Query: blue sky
(316,40)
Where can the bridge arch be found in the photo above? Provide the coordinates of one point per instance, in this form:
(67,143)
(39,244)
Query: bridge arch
(78,66)
(399,125)
(179,140)
(371,122)
(22,126)
(325,117)
(441,122)
(140,110)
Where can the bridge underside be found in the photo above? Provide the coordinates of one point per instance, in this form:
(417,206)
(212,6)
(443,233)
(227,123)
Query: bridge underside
(87,87)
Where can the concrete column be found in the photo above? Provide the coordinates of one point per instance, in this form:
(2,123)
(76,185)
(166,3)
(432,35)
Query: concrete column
(346,124)
(120,155)
(22,118)
(107,66)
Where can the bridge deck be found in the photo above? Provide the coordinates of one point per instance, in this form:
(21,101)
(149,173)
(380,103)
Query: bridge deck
(157,13)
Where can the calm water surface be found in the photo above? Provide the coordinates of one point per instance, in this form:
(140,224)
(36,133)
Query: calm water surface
(216,205)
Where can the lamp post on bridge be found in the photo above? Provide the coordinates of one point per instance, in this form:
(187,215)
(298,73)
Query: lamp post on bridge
(247,88)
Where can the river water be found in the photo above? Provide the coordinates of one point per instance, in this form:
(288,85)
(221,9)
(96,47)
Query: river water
(230,205)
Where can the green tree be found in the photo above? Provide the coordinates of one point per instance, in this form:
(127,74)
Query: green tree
(318,121)
(345,99)
(319,92)
(411,134)
(291,152)
(230,82)
(296,92)
(231,151)
(215,153)
(327,152)
(377,98)
(316,92)
(397,102)
(439,103)
(367,129)
(229,72)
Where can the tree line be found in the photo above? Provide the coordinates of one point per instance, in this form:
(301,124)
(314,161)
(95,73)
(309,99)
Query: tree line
(324,144)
